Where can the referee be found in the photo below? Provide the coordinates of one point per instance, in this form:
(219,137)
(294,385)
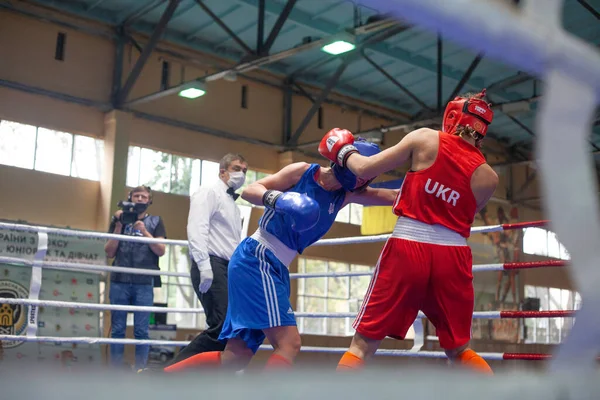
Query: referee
(214,231)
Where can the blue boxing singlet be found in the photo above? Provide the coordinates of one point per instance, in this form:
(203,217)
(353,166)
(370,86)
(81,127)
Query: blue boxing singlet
(330,202)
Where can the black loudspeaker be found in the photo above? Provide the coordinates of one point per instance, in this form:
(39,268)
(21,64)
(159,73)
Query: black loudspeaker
(158,318)
(531,304)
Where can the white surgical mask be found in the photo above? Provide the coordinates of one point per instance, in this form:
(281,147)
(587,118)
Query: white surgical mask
(236,180)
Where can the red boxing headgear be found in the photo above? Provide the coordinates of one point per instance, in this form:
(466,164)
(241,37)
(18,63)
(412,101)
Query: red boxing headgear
(474,112)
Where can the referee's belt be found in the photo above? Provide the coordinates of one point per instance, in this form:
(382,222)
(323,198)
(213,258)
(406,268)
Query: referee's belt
(216,258)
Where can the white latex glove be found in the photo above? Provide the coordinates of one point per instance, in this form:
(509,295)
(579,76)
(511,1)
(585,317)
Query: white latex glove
(206,276)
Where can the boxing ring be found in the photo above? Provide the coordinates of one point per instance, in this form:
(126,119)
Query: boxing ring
(531,38)
(33,303)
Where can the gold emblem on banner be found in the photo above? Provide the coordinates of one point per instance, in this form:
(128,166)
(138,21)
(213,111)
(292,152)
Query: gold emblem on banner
(13,317)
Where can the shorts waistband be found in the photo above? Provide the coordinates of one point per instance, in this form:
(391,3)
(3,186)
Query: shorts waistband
(410,229)
(280,250)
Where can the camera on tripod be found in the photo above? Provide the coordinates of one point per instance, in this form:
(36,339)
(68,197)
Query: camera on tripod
(130,211)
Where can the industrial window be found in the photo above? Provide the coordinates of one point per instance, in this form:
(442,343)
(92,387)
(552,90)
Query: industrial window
(175,174)
(53,152)
(550,330)
(542,242)
(32,147)
(336,294)
(351,214)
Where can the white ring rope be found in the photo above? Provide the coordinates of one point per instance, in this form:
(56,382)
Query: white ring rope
(174,343)
(118,307)
(393,352)
(93,267)
(383,238)
(90,340)
(89,235)
(137,271)
(184,243)
(98,306)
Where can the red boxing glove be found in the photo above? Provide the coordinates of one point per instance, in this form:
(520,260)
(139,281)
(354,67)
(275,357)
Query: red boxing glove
(337,145)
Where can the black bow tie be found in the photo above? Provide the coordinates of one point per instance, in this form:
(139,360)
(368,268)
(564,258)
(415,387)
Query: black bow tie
(232,193)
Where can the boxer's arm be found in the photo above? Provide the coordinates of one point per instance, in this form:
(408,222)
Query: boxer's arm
(372,197)
(483,184)
(282,181)
(388,159)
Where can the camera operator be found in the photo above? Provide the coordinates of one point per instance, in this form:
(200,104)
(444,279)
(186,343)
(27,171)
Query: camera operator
(133,289)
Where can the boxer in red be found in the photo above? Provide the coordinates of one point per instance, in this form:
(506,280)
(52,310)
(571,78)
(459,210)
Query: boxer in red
(426,263)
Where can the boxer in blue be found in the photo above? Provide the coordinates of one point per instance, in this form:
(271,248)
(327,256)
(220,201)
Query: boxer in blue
(301,202)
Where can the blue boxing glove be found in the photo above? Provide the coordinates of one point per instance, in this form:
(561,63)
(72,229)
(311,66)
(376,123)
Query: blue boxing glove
(303,210)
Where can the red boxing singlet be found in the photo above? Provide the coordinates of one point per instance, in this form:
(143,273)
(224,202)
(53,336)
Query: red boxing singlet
(441,194)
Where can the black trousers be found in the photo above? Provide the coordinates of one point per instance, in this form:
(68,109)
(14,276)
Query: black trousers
(214,302)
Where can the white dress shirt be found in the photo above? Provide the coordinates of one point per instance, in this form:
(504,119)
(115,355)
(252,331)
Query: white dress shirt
(214,224)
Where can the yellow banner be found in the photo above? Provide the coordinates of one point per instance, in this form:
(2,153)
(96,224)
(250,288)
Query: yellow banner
(377,220)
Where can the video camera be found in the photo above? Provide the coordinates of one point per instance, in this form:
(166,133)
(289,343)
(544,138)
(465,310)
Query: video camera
(131,211)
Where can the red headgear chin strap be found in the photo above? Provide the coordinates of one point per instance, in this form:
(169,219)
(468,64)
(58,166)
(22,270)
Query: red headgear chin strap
(474,112)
